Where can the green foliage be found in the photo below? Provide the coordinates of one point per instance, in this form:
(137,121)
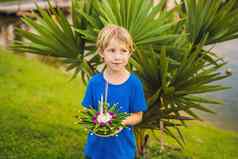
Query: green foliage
(53,35)
(169,55)
(216,19)
(171,89)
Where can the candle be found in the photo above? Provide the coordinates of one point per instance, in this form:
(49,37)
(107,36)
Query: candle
(101,105)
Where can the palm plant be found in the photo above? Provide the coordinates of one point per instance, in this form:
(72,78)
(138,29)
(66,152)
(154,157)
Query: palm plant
(169,56)
(215,19)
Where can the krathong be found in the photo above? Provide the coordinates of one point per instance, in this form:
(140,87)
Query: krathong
(105,122)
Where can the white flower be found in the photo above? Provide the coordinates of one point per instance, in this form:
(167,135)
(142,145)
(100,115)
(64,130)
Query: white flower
(104,118)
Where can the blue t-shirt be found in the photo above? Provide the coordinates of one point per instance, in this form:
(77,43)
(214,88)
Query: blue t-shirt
(130,98)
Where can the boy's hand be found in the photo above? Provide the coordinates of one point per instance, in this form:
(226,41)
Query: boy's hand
(124,122)
(133,119)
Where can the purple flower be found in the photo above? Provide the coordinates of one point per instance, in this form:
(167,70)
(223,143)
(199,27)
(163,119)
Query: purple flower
(113,115)
(94,119)
(102,123)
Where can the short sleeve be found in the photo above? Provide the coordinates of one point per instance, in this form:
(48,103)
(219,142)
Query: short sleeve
(88,96)
(138,103)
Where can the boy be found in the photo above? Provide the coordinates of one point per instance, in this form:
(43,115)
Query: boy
(115,46)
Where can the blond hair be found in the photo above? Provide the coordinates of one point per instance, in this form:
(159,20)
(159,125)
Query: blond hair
(113,31)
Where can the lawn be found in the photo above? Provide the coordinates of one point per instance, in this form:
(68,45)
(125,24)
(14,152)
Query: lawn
(203,141)
(9,0)
(37,109)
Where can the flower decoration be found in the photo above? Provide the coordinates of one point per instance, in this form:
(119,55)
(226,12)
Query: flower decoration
(105,122)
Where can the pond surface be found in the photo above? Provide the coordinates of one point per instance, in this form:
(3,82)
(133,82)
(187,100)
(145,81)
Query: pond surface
(227,114)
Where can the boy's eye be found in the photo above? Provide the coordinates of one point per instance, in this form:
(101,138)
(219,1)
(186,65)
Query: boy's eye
(124,50)
(112,50)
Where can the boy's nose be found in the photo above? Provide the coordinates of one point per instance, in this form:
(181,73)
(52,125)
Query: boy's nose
(117,56)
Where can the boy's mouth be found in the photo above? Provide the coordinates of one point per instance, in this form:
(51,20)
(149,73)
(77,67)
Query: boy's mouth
(117,63)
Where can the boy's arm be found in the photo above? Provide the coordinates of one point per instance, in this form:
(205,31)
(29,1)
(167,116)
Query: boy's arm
(133,119)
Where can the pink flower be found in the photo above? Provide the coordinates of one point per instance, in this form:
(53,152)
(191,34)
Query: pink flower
(94,120)
(113,115)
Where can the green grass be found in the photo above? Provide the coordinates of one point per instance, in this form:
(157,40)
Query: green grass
(9,0)
(203,141)
(37,108)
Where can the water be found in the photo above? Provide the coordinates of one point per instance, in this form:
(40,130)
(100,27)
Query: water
(227,114)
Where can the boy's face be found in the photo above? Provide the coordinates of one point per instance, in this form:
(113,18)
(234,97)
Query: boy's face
(116,55)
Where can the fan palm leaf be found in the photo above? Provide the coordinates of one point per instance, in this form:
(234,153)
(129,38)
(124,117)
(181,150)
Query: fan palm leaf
(216,19)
